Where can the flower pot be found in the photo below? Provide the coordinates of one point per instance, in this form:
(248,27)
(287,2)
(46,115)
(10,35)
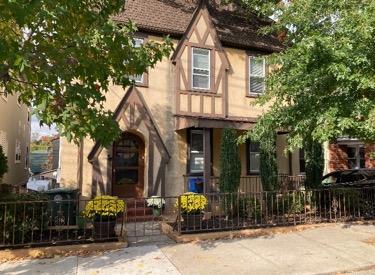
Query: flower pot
(104,229)
(156,212)
(192,221)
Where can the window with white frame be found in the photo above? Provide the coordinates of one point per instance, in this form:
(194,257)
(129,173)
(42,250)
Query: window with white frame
(257,74)
(253,158)
(139,77)
(356,156)
(200,69)
(196,151)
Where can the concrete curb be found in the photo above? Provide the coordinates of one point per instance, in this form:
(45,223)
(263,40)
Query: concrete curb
(245,233)
(64,250)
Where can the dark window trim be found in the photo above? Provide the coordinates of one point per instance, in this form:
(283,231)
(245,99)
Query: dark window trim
(188,141)
(248,161)
(301,159)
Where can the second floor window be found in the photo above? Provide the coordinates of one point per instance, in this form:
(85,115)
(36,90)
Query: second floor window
(257,74)
(201,69)
(138,79)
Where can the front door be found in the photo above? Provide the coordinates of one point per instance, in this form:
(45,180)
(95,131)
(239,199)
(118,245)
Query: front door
(128,166)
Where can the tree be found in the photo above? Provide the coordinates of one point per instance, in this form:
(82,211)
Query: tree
(62,56)
(230,164)
(324,84)
(314,163)
(3,163)
(268,162)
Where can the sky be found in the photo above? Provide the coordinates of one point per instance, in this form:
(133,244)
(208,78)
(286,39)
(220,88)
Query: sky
(42,131)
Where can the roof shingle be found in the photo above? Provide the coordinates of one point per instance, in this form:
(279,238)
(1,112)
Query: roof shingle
(172,17)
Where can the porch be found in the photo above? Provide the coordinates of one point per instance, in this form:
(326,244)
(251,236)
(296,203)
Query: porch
(253,184)
(203,157)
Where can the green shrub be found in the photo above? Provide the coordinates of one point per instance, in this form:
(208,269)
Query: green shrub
(20,215)
(249,208)
(268,162)
(230,163)
(354,200)
(290,203)
(314,158)
(230,169)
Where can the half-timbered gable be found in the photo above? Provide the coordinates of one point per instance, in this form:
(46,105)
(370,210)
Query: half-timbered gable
(199,39)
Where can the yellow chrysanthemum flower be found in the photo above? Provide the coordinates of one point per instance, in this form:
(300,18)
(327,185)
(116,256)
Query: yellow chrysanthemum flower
(104,206)
(192,203)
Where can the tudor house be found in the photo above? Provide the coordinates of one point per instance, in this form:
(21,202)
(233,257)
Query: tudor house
(172,118)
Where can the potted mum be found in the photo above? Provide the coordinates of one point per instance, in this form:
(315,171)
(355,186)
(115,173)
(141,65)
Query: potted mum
(191,207)
(157,203)
(103,211)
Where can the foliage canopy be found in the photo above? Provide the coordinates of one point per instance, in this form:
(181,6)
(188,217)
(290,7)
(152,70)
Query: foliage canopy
(324,84)
(62,56)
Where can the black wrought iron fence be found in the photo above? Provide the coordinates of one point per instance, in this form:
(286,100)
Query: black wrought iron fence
(48,222)
(230,211)
(43,222)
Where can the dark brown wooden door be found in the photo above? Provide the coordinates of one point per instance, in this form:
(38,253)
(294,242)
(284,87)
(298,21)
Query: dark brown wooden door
(128,166)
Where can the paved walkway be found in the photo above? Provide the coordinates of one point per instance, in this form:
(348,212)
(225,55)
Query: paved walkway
(338,248)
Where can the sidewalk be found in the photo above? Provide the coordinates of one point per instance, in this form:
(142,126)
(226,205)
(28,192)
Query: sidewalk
(337,248)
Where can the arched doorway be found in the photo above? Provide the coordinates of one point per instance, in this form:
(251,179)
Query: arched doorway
(128,166)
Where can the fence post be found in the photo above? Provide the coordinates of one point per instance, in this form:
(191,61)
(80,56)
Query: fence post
(179,216)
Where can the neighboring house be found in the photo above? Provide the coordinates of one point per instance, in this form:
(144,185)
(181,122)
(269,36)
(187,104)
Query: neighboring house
(44,157)
(172,118)
(349,153)
(40,161)
(15,137)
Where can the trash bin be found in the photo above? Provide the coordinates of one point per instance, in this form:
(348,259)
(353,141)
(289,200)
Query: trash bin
(62,206)
(195,184)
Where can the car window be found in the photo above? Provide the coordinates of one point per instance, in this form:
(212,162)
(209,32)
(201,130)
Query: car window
(351,177)
(330,179)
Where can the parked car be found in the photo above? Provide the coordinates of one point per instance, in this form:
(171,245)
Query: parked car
(350,177)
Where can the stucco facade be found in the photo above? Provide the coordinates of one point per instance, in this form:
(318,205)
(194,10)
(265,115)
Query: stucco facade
(164,111)
(15,138)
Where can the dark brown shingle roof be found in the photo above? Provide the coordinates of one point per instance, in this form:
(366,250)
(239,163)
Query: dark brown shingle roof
(173,17)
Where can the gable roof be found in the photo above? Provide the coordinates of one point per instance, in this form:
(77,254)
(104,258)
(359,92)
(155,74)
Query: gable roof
(173,17)
(134,96)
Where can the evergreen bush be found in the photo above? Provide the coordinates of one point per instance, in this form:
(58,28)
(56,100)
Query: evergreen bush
(268,162)
(314,160)
(230,163)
